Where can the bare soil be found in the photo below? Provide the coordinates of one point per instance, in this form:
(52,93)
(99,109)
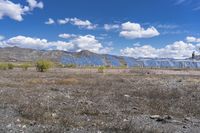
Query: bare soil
(83,100)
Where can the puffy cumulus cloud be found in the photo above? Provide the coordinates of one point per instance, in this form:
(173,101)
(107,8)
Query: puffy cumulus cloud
(192,39)
(63,21)
(27,42)
(83,23)
(34,4)
(177,50)
(78,22)
(12,10)
(134,30)
(108,27)
(66,36)
(50,21)
(37,43)
(16,11)
(87,42)
(143,51)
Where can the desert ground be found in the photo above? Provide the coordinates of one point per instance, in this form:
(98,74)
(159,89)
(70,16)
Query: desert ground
(85,101)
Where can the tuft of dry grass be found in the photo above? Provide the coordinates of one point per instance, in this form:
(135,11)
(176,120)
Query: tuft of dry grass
(66,81)
(61,81)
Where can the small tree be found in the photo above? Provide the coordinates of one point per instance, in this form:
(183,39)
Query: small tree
(43,65)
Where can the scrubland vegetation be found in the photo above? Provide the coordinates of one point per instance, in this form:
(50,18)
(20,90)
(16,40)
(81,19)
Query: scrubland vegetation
(68,99)
(43,65)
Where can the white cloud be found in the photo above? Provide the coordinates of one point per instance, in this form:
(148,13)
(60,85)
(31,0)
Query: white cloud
(78,22)
(192,39)
(108,27)
(106,50)
(137,44)
(66,36)
(12,10)
(134,30)
(87,42)
(16,11)
(63,21)
(177,50)
(34,4)
(37,43)
(83,23)
(143,51)
(50,21)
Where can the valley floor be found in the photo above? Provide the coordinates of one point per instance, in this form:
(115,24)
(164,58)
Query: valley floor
(83,100)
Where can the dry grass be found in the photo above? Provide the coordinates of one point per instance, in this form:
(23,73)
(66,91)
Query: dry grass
(67,81)
(94,101)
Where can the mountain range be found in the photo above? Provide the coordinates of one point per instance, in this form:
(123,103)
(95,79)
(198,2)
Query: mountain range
(87,58)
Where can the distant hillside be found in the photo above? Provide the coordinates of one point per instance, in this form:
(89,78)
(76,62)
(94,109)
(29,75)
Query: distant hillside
(87,58)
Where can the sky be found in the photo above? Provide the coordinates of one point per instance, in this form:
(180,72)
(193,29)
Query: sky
(135,28)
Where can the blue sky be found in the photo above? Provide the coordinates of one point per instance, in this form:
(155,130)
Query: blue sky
(137,28)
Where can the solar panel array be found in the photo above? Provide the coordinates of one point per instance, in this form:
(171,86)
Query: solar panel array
(109,60)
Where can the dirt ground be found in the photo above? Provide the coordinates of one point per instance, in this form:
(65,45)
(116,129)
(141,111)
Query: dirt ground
(83,100)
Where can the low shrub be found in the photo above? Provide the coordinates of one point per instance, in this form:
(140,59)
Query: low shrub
(25,66)
(3,66)
(10,66)
(101,69)
(43,65)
